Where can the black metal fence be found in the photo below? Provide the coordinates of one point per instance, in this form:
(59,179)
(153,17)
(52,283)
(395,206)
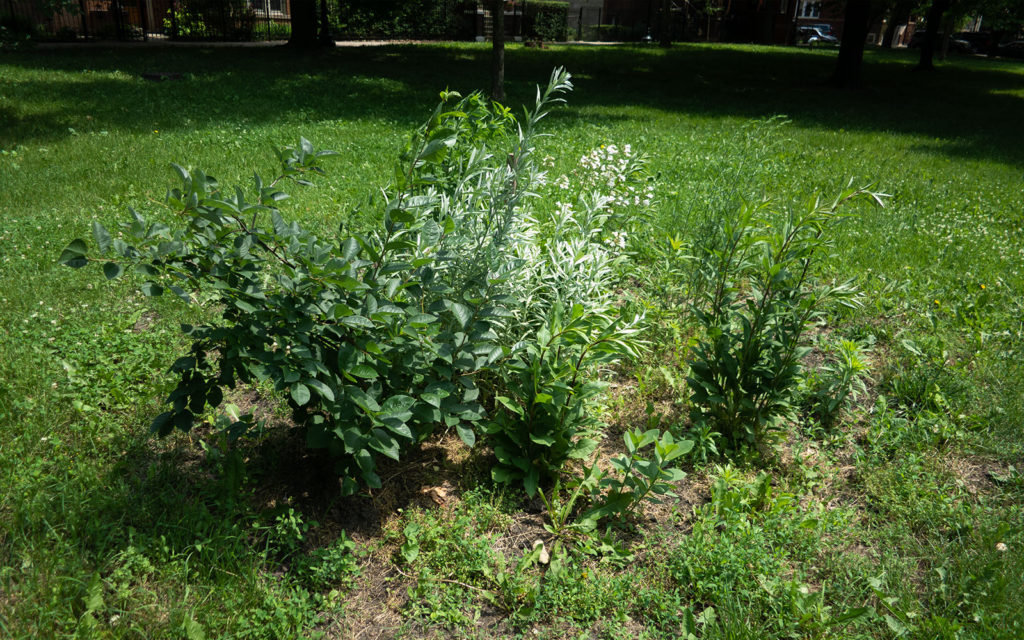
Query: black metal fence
(238,20)
(77,20)
(120,19)
(247,20)
(145,19)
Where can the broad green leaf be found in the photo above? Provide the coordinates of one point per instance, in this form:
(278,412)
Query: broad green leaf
(398,403)
(545,440)
(531,481)
(358,321)
(363,371)
(466,433)
(321,388)
(112,270)
(74,254)
(101,236)
(349,249)
(151,289)
(300,393)
(383,442)
(502,475)
(583,448)
(163,424)
(362,399)
(422,318)
(462,314)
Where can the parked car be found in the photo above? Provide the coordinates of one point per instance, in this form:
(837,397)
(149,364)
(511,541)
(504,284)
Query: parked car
(979,41)
(1013,49)
(824,28)
(813,35)
(955,43)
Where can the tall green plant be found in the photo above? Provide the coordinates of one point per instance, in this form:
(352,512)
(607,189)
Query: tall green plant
(542,419)
(757,290)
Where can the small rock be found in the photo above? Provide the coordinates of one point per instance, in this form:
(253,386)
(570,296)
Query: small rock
(544,557)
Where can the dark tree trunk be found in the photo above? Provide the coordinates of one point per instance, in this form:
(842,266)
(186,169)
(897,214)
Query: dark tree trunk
(851,50)
(325,39)
(931,36)
(665,35)
(498,50)
(303,24)
(992,45)
(899,16)
(947,37)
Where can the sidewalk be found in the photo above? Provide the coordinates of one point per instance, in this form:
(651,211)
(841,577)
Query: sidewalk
(162,41)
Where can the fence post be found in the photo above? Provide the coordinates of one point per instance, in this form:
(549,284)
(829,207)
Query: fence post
(85,22)
(118,21)
(144,19)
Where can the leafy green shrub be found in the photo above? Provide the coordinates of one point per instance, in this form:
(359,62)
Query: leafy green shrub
(643,478)
(182,22)
(202,19)
(571,247)
(376,338)
(447,19)
(756,293)
(543,419)
(546,20)
(16,33)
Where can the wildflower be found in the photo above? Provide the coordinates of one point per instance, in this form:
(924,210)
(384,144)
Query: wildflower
(1001,546)
(618,239)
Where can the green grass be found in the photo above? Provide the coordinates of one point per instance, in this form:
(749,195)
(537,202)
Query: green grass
(105,532)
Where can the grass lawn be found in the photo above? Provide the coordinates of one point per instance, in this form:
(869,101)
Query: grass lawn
(904,520)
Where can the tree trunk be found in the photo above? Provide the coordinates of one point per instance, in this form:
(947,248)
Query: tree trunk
(851,50)
(931,36)
(498,50)
(325,40)
(947,36)
(665,26)
(303,24)
(899,16)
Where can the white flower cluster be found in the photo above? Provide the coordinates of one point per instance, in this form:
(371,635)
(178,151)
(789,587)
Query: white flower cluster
(616,172)
(617,240)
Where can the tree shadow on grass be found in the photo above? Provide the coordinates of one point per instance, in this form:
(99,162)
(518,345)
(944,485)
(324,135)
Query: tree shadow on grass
(972,105)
